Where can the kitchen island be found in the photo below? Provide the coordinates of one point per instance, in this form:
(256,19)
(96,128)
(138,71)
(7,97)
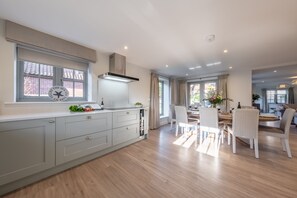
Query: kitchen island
(35,146)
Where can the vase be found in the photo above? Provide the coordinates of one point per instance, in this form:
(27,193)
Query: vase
(214,105)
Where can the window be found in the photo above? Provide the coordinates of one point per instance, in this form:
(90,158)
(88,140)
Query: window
(281,96)
(270,96)
(277,96)
(38,72)
(199,90)
(161,97)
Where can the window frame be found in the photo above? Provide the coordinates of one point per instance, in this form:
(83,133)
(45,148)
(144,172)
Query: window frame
(57,81)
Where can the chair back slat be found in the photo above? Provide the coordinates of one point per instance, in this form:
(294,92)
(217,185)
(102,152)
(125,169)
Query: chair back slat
(245,123)
(209,117)
(181,114)
(286,120)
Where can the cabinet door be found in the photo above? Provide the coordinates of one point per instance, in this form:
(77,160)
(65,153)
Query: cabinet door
(74,148)
(73,126)
(125,118)
(26,147)
(126,133)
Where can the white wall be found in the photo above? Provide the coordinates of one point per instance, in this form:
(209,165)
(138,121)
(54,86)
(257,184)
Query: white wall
(138,92)
(240,87)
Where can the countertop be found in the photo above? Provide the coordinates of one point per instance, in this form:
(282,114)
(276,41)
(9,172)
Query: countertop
(33,116)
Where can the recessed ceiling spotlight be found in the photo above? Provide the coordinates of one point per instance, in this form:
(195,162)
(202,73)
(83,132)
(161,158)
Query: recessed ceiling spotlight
(191,68)
(225,51)
(263,81)
(125,47)
(230,67)
(166,65)
(274,71)
(198,67)
(187,74)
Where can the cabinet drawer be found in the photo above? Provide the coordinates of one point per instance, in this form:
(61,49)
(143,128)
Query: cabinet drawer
(124,134)
(125,118)
(74,126)
(67,150)
(26,148)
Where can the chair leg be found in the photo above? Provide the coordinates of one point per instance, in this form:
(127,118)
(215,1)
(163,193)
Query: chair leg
(171,122)
(251,144)
(256,148)
(216,141)
(234,143)
(288,148)
(283,144)
(229,138)
(222,134)
(176,130)
(201,136)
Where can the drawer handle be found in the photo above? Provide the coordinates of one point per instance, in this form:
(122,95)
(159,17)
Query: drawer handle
(89,117)
(51,121)
(127,112)
(88,138)
(127,128)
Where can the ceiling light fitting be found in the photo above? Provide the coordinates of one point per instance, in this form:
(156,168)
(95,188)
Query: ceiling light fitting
(225,51)
(125,47)
(213,64)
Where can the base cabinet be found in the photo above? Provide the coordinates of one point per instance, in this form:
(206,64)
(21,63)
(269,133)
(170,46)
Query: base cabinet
(74,148)
(26,147)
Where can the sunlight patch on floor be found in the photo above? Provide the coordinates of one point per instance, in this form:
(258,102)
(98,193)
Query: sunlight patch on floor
(208,147)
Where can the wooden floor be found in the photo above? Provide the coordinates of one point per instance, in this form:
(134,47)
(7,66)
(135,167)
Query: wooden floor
(161,166)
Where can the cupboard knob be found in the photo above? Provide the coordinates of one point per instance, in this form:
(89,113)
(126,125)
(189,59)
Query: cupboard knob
(127,128)
(88,138)
(89,117)
(51,121)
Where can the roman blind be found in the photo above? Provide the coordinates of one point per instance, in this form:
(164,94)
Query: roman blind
(29,37)
(43,57)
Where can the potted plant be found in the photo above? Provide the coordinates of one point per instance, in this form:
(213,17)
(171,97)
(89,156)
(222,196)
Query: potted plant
(255,97)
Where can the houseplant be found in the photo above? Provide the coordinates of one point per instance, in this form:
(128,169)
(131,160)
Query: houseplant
(255,97)
(214,98)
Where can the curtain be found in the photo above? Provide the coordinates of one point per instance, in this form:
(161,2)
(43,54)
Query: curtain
(182,92)
(173,91)
(291,95)
(264,100)
(222,89)
(154,120)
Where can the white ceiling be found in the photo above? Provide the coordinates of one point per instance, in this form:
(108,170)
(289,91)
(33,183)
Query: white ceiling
(159,32)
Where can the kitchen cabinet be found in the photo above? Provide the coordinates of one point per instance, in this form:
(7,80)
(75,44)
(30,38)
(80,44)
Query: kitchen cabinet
(79,125)
(125,126)
(125,133)
(81,135)
(124,118)
(26,147)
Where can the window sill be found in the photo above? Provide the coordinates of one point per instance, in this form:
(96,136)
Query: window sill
(33,103)
(161,117)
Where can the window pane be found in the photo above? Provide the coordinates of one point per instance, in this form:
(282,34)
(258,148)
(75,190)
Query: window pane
(194,93)
(210,86)
(45,85)
(31,68)
(78,75)
(69,85)
(46,70)
(78,89)
(68,73)
(31,86)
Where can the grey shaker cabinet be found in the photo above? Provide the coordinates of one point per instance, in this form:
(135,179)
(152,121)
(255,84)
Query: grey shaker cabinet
(26,147)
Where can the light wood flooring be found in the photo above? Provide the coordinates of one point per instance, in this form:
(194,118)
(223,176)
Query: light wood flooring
(157,167)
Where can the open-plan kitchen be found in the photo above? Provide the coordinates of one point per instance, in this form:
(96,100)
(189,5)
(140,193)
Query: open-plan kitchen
(148,98)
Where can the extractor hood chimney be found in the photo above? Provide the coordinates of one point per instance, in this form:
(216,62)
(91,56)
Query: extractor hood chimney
(117,69)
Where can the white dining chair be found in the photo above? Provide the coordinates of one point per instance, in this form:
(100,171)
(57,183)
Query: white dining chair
(282,131)
(172,116)
(245,124)
(209,123)
(182,120)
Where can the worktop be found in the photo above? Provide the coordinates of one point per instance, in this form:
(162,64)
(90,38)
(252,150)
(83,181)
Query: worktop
(32,116)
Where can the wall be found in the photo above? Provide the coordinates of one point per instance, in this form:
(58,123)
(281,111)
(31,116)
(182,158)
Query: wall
(138,92)
(240,87)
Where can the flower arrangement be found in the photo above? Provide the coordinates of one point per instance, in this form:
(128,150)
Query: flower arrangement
(214,98)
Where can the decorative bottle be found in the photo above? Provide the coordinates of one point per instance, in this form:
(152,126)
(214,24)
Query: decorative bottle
(238,106)
(102,104)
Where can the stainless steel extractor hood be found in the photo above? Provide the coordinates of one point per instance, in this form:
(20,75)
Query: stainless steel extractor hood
(117,70)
